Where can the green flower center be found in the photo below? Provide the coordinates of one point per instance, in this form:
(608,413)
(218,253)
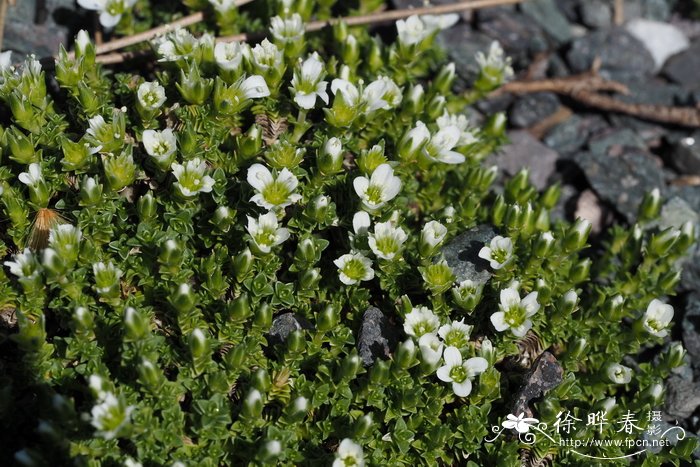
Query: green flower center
(387,245)
(499,255)
(456,338)
(160,148)
(354,269)
(275,193)
(422,328)
(515,316)
(374,194)
(150,98)
(458,374)
(266,238)
(654,325)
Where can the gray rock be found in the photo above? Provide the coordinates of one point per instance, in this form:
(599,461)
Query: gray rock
(645,90)
(622,180)
(490,106)
(620,53)
(377,336)
(674,213)
(684,68)
(682,397)
(520,37)
(570,9)
(546,14)
(685,155)
(283,325)
(596,14)
(662,40)
(470,42)
(31,29)
(691,328)
(566,205)
(462,254)
(658,10)
(673,433)
(545,374)
(526,151)
(533,108)
(612,142)
(572,134)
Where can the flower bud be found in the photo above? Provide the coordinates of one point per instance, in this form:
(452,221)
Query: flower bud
(252,404)
(318,208)
(379,374)
(295,341)
(135,324)
(261,381)
(580,271)
(351,50)
(544,291)
(415,102)
(269,451)
(250,144)
(362,426)
(76,155)
(655,393)
(411,144)
(669,280)
(487,352)
(443,81)
(567,303)
(330,157)
(375,60)
(119,171)
(199,345)
(498,211)
(687,236)
(263,316)
(438,277)
(240,309)
(495,126)
(436,106)
(349,367)
(651,206)
(149,375)
(431,237)
(577,235)
(90,192)
(551,196)
(107,278)
(673,358)
(84,48)
(223,218)
(84,319)
(326,319)
(406,354)
(146,207)
(193,87)
(21,147)
(183,300)
(297,409)
(543,245)
(467,294)
(53,263)
(171,253)
(660,244)
(242,264)
(576,348)
(309,279)
(235,357)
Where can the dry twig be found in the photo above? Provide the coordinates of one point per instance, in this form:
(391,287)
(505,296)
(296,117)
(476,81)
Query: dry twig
(360,20)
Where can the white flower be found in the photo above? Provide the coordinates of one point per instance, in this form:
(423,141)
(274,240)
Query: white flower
(440,22)
(307,83)
(430,349)
(349,454)
(382,93)
(25,264)
(160,144)
(420,321)
(499,252)
(515,313)
(180,44)
(110,11)
(349,92)
(229,55)
(460,373)
(5,61)
(109,415)
(360,223)
(440,146)
(287,30)
(151,95)
(466,136)
(521,424)
(129,462)
(433,234)
(455,334)
(387,241)
(496,62)
(266,232)
(191,179)
(254,87)
(267,55)
(354,268)
(272,191)
(32,178)
(619,374)
(223,6)
(381,187)
(412,30)
(657,318)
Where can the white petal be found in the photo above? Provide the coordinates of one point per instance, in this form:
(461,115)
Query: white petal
(521,330)
(259,176)
(476,365)
(510,298)
(304,100)
(499,322)
(361,184)
(462,389)
(443,373)
(452,356)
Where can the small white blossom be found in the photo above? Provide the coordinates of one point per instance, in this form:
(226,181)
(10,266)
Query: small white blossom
(360,223)
(354,268)
(440,146)
(151,95)
(460,373)
(266,232)
(440,22)
(349,92)
(619,374)
(182,45)
(32,178)
(272,191)
(433,234)
(308,84)
(267,55)
(230,55)
(5,61)
(110,415)
(430,349)
(420,321)
(455,334)
(495,62)
(25,264)
(254,87)
(223,6)
(349,454)
(657,318)
(515,313)
(160,144)
(191,179)
(110,11)
(499,252)
(380,188)
(382,93)
(412,30)
(287,30)
(387,241)
(460,122)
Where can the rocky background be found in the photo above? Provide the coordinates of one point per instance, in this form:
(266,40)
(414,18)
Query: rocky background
(604,162)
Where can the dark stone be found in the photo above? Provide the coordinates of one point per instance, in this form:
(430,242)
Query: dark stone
(570,9)
(685,155)
(566,206)
(533,108)
(487,14)
(596,14)
(29,29)
(526,151)
(557,67)
(690,276)
(666,431)
(546,14)
(462,44)
(545,374)
(462,254)
(519,36)
(613,141)
(283,325)
(682,397)
(491,105)
(377,336)
(659,10)
(572,134)
(622,180)
(650,132)
(620,53)
(691,328)
(644,90)
(684,68)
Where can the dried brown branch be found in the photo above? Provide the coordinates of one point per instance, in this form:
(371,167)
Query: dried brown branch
(619,12)
(360,20)
(586,88)
(3,17)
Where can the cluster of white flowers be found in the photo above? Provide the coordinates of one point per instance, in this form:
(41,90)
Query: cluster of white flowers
(180,44)
(415,29)
(110,414)
(110,11)
(446,343)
